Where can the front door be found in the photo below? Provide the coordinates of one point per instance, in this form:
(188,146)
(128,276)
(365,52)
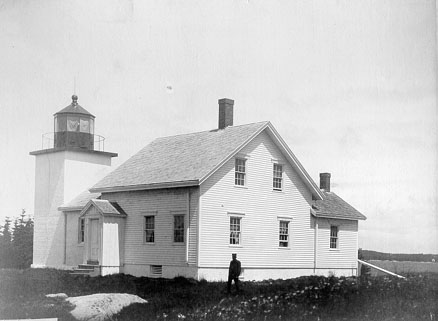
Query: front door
(94,240)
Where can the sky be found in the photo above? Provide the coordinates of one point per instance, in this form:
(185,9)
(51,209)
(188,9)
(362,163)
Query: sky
(351,86)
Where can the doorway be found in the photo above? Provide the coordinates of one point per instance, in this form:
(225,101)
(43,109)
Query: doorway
(94,243)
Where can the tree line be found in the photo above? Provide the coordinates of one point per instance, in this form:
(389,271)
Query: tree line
(16,242)
(419,257)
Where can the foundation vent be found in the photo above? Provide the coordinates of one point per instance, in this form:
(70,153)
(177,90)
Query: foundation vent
(156,271)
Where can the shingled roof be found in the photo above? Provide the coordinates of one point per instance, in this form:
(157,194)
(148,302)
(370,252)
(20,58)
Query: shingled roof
(105,207)
(182,159)
(335,207)
(78,203)
(187,160)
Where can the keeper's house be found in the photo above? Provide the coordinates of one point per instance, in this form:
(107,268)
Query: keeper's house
(183,204)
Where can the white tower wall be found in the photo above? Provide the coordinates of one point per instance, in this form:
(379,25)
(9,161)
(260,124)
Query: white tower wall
(59,177)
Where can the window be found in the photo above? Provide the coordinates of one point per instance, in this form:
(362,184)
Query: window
(235,231)
(178,228)
(278,177)
(149,229)
(333,237)
(84,125)
(239,176)
(76,124)
(72,124)
(81,230)
(283,235)
(91,126)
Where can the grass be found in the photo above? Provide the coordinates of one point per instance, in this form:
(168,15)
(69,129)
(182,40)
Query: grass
(404,267)
(22,295)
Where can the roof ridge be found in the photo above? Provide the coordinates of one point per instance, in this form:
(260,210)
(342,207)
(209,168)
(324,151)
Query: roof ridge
(211,130)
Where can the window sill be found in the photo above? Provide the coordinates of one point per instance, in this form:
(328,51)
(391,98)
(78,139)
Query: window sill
(81,244)
(149,243)
(241,186)
(235,245)
(335,250)
(178,244)
(283,248)
(277,190)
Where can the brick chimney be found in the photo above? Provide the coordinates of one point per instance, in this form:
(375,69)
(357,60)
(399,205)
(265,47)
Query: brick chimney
(225,112)
(324,181)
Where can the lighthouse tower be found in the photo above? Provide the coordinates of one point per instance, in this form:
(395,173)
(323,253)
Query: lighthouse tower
(71,163)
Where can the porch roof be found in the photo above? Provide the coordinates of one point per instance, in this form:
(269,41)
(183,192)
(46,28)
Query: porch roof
(105,208)
(335,207)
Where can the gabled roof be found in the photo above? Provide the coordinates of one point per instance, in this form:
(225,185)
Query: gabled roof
(105,208)
(188,160)
(335,207)
(78,203)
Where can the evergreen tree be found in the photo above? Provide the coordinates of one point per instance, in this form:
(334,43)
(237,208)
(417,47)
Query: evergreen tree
(6,245)
(22,242)
(28,243)
(16,245)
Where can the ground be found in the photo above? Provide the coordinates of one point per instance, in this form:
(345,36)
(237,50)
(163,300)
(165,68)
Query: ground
(23,295)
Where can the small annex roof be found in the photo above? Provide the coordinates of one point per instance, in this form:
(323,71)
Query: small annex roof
(78,203)
(335,207)
(189,159)
(74,108)
(105,208)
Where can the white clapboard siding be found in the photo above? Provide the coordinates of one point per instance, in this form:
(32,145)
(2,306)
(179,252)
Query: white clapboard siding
(74,249)
(164,204)
(111,244)
(193,227)
(261,208)
(345,256)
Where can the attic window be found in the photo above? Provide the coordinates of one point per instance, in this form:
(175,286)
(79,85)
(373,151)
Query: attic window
(240,172)
(277,183)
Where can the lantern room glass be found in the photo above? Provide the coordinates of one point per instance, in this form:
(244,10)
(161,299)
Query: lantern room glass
(74,124)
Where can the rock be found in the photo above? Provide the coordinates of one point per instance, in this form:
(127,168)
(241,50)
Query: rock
(101,306)
(57,295)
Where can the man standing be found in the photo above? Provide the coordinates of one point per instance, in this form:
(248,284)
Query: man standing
(234,273)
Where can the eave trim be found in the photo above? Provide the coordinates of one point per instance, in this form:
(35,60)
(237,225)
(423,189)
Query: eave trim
(141,187)
(70,208)
(301,171)
(336,217)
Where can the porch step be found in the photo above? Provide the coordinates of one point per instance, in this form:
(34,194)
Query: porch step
(85,269)
(92,262)
(87,266)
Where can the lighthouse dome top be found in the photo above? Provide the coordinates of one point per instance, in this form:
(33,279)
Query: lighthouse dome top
(74,108)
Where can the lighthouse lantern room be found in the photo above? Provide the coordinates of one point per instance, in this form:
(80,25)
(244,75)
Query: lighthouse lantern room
(74,127)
